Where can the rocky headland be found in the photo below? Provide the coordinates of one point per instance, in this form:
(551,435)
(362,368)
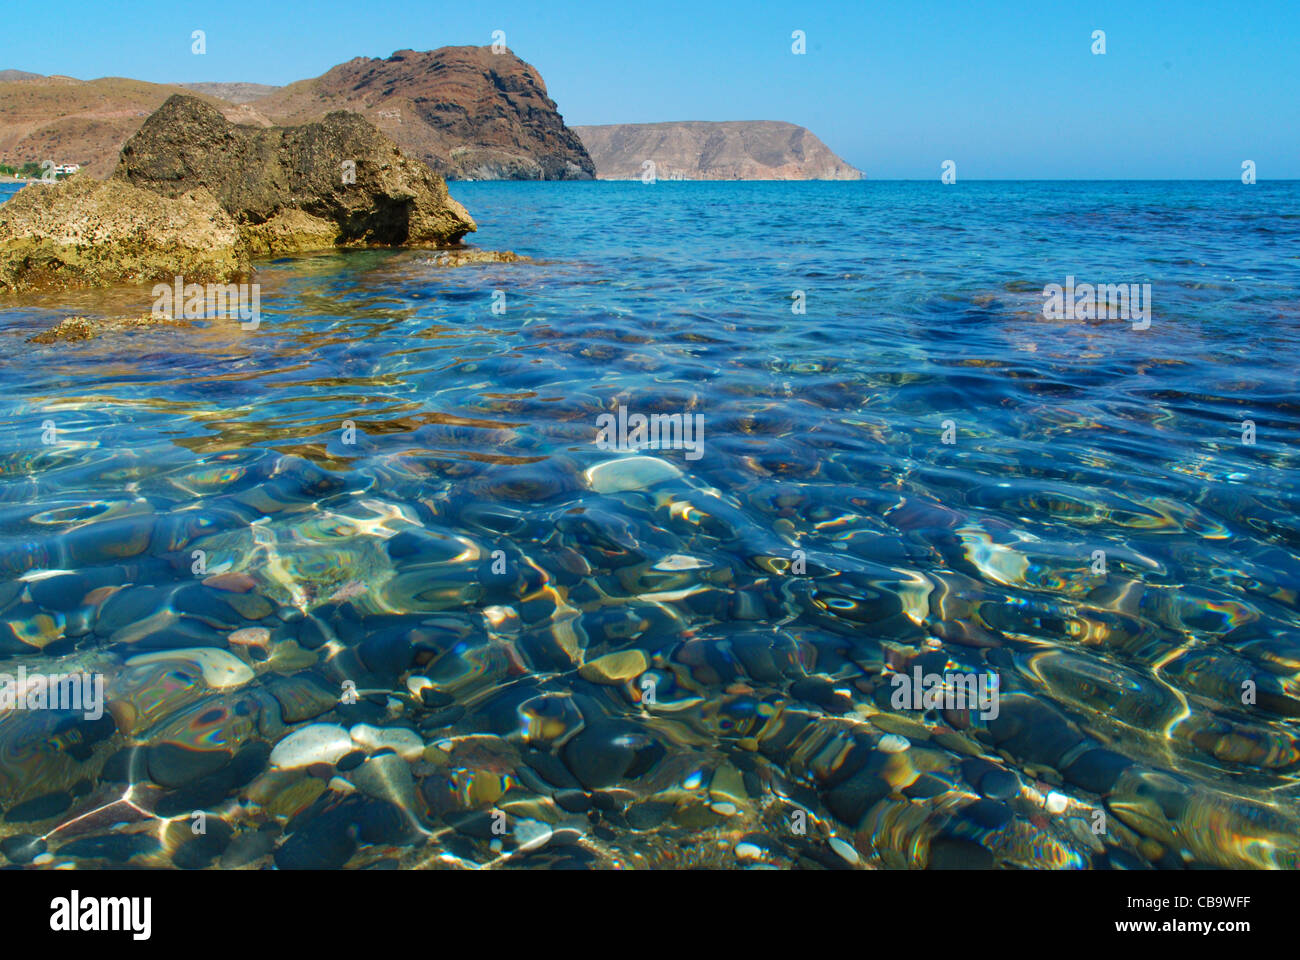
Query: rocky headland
(468,112)
(700,150)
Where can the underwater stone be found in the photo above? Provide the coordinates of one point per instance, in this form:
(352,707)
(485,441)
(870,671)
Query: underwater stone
(315,743)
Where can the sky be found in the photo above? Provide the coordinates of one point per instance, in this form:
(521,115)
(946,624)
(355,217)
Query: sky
(1185,90)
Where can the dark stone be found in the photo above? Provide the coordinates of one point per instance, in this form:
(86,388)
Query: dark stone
(551,769)
(79,735)
(63,592)
(387,653)
(363,711)
(648,814)
(201,849)
(814,690)
(171,765)
(852,799)
(573,801)
(22,847)
(113,847)
(989,814)
(1032,731)
(40,808)
(322,837)
(210,790)
(926,786)
(128,765)
(380,821)
(952,853)
(442,718)
(1097,770)
(436,699)
(303,697)
(312,633)
(351,761)
(605,753)
(471,823)
(129,606)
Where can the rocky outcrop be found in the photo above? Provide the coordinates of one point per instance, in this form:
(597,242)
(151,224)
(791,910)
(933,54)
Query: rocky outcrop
(468,112)
(197,196)
(699,150)
(80,329)
(295,184)
(88,233)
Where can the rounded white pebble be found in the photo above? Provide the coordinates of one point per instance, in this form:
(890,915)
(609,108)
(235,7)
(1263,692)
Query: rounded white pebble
(725,808)
(1056,802)
(221,669)
(844,849)
(532,834)
(749,851)
(314,743)
(630,473)
(893,743)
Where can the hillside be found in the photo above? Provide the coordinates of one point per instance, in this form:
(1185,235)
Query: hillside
(232,92)
(465,111)
(701,150)
(75,121)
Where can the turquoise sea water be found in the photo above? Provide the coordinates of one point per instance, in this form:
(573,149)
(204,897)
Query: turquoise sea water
(393,485)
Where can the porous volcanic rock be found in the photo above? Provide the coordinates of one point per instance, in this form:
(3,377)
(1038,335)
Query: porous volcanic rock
(89,233)
(340,171)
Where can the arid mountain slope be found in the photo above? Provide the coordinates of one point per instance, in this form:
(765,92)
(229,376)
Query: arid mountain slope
(466,111)
(700,150)
(232,92)
(77,121)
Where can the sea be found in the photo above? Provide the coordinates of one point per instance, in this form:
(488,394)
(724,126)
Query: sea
(738,525)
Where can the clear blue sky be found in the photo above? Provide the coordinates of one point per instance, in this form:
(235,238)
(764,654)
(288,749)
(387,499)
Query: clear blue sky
(1007,90)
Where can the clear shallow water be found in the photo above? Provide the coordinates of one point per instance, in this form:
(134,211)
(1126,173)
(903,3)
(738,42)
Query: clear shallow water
(375,562)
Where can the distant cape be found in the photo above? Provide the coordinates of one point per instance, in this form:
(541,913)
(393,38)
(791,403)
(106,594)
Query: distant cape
(703,150)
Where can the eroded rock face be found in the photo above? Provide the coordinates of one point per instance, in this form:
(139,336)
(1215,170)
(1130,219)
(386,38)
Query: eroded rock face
(88,233)
(340,172)
(469,112)
(701,150)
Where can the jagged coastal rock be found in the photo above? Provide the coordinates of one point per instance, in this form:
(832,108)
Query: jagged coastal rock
(290,187)
(197,196)
(700,150)
(469,112)
(88,233)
